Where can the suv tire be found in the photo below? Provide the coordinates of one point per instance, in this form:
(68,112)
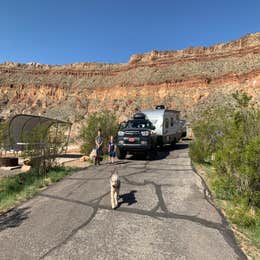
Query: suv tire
(151,154)
(120,154)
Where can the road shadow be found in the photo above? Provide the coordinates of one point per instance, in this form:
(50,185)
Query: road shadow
(13,218)
(116,163)
(161,153)
(180,146)
(127,198)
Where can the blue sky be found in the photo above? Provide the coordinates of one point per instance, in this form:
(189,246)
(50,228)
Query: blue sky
(66,31)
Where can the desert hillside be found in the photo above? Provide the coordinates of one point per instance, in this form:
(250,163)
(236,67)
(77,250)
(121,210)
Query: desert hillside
(188,80)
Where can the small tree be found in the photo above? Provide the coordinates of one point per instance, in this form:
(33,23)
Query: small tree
(4,140)
(106,121)
(44,144)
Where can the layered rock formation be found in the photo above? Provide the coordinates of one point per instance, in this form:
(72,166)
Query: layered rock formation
(185,80)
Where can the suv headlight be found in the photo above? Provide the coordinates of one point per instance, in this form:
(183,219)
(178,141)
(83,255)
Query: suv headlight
(145,133)
(120,133)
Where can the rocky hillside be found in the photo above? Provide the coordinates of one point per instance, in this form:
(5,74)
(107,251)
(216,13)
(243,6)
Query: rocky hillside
(187,80)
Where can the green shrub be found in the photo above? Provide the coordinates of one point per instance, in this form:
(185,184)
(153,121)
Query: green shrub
(4,134)
(107,121)
(223,186)
(208,133)
(242,216)
(229,139)
(250,171)
(44,144)
(198,151)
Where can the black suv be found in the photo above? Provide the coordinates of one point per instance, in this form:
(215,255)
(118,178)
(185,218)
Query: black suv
(135,136)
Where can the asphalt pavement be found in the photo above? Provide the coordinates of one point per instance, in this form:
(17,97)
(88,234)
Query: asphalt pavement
(165,212)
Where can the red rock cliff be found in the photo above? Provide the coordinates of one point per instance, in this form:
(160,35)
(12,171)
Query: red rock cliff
(186,80)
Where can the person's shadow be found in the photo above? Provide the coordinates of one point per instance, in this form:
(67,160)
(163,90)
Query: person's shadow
(127,198)
(13,218)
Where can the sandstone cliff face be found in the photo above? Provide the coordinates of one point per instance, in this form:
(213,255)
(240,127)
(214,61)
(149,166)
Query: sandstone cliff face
(185,80)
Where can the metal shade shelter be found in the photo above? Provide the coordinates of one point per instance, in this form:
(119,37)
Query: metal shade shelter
(22,126)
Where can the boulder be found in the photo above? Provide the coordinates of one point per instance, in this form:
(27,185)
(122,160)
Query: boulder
(26,168)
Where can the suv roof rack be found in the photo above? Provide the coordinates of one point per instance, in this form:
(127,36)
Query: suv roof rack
(160,107)
(139,115)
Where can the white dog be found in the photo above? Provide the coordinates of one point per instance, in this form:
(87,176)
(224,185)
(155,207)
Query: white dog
(115,188)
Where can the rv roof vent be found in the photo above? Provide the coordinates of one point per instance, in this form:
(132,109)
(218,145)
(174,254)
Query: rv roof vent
(139,116)
(160,107)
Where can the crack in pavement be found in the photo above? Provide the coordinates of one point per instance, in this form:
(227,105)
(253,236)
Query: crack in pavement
(227,234)
(77,187)
(162,205)
(74,231)
(158,190)
(151,213)
(100,197)
(167,215)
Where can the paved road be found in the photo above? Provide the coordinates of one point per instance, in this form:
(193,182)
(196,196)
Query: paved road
(164,214)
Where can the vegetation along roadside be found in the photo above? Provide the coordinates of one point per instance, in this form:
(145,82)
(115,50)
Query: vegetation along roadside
(18,188)
(226,151)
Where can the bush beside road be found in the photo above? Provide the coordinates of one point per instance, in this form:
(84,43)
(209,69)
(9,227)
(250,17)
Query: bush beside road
(227,145)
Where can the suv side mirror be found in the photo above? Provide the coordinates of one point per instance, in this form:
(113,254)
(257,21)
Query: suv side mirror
(153,127)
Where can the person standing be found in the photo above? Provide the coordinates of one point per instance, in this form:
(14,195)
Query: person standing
(99,142)
(111,149)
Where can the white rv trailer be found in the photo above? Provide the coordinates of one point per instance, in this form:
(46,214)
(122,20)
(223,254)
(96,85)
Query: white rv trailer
(167,124)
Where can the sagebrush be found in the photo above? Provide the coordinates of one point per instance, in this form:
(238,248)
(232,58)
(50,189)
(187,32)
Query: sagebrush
(106,121)
(229,139)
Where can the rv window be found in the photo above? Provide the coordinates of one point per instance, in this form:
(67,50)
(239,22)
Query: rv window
(166,123)
(171,121)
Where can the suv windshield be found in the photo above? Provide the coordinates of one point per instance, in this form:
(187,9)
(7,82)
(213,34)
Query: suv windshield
(139,123)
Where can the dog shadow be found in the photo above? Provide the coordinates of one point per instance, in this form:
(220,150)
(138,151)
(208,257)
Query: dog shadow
(127,198)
